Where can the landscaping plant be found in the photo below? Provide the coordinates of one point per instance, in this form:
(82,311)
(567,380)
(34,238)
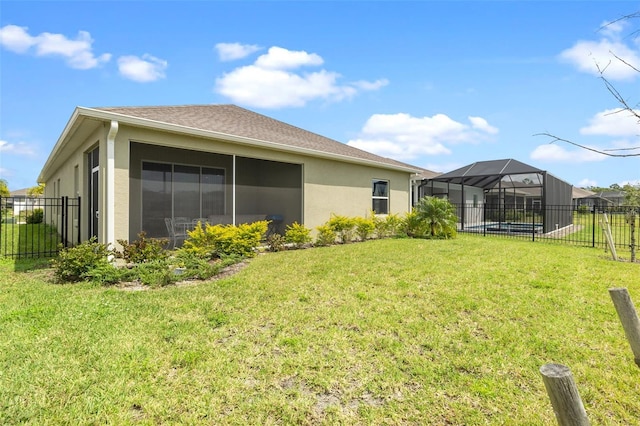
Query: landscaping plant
(297,234)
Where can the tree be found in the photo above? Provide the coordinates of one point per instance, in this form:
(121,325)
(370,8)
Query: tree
(439,214)
(36,191)
(625,105)
(4,188)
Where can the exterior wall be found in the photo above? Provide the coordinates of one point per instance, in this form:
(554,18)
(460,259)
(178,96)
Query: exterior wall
(329,186)
(64,181)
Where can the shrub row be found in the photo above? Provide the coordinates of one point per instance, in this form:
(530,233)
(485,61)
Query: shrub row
(209,248)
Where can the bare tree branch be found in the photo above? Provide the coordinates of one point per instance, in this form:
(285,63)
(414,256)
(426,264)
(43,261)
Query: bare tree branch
(603,152)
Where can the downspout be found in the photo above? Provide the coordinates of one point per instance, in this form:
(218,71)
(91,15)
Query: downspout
(233,191)
(110,179)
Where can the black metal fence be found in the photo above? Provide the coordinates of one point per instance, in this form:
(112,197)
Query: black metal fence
(566,224)
(37,226)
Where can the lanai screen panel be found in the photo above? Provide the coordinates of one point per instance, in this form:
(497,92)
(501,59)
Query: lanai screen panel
(270,190)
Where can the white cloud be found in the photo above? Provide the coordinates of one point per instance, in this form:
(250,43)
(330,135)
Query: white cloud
(278,58)
(233,51)
(77,52)
(557,153)
(404,137)
(19,148)
(142,69)
(273,82)
(613,122)
(480,123)
(586,183)
(595,56)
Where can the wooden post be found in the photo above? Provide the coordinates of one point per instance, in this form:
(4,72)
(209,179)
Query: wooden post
(564,395)
(629,319)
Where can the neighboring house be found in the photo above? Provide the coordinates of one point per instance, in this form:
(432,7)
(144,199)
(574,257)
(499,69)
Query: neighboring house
(22,202)
(583,197)
(134,167)
(610,198)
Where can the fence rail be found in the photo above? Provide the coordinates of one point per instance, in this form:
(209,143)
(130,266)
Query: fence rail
(565,224)
(37,226)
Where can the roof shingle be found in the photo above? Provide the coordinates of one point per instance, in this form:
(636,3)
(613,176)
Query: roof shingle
(237,121)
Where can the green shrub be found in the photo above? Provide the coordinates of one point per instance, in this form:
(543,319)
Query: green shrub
(156,273)
(326,236)
(72,264)
(36,216)
(216,241)
(364,227)
(386,225)
(106,273)
(276,242)
(143,249)
(343,226)
(413,225)
(196,266)
(297,234)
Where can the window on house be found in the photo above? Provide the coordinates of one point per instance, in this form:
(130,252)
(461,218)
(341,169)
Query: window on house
(380,196)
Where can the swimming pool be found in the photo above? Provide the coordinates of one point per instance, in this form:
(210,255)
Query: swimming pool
(505,227)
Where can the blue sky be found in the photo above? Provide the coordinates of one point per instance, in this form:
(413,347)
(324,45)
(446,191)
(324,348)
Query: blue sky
(435,84)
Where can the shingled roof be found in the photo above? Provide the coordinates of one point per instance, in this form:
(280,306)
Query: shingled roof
(236,121)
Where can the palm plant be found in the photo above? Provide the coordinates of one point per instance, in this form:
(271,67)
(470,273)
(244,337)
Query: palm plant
(439,214)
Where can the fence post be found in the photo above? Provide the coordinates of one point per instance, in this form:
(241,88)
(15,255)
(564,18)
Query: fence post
(564,395)
(629,319)
(593,226)
(79,220)
(63,220)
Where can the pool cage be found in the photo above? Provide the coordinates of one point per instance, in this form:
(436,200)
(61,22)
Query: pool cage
(504,196)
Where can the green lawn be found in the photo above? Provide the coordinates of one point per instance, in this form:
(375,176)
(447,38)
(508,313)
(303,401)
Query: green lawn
(393,331)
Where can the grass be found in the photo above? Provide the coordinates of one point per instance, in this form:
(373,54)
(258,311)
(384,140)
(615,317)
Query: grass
(30,240)
(383,332)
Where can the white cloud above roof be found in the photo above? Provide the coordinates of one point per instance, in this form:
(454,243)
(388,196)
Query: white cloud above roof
(557,153)
(77,52)
(144,69)
(602,55)
(586,183)
(404,137)
(234,51)
(613,122)
(274,81)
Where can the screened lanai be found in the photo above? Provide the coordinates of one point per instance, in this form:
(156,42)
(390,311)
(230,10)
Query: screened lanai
(188,187)
(504,194)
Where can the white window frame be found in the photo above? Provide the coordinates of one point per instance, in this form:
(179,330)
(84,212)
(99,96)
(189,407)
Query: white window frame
(380,197)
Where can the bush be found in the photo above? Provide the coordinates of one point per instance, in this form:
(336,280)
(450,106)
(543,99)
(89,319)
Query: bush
(156,273)
(297,234)
(276,242)
(36,216)
(413,225)
(217,241)
(74,263)
(143,249)
(386,226)
(326,236)
(106,273)
(364,227)
(343,227)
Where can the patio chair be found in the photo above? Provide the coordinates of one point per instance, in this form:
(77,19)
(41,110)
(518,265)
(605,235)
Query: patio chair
(175,232)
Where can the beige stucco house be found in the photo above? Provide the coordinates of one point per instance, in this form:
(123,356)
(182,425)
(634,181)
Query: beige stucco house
(135,167)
